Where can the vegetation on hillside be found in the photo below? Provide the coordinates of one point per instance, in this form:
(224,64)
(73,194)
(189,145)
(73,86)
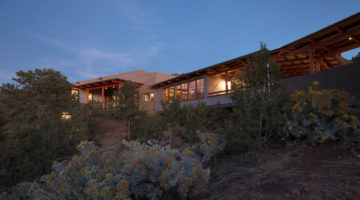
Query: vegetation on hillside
(151,172)
(316,116)
(33,135)
(258,120)
(36,133)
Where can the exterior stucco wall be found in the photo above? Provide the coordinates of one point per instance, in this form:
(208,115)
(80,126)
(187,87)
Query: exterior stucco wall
(82,96)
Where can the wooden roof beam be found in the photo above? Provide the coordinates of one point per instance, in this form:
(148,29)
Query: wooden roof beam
(331,39)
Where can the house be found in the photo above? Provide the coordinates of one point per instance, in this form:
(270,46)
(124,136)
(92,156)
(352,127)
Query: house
(313,53)
(316,52)
(102,89)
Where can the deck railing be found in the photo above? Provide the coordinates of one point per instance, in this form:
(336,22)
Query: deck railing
(219,93)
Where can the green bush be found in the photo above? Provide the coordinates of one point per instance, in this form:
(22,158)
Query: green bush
(148,172)
(258,120)
(148,126)
(186,120)
(317,116)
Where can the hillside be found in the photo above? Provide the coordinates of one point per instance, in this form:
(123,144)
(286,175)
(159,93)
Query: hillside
(325,172)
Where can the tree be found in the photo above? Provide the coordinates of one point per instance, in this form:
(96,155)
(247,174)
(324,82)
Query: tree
(127,98)
(356,59)
(257,91)
(36,134)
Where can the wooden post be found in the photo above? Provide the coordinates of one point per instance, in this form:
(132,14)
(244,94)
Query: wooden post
(87,95)
(226,82)
(102,95)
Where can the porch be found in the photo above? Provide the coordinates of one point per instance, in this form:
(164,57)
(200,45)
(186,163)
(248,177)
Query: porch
(101,92)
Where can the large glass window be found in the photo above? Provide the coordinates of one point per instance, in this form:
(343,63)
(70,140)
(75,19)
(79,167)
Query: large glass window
(184,91)
(166,95)
(149,97)
(200,88)
(171,93)
(177,92)
(192,90)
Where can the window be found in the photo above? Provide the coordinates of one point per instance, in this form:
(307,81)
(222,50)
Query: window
(200,88)
(149,97)
(171,94)
(165,95)
(192,91)
(177,92)
(90,97)
(75,94)
(184,92)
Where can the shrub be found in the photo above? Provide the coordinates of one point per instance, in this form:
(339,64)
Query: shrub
(186,120)
(148,126)
(148,172)
(258,120)
(317,116)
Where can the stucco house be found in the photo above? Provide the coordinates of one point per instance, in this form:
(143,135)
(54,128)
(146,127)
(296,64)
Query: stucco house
(102,89)
(313,53)
(316,52)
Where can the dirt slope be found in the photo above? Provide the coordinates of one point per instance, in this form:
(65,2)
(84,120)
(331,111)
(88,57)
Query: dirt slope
(326,172)
(110,133)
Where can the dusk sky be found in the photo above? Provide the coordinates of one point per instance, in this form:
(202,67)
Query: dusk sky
(87,39)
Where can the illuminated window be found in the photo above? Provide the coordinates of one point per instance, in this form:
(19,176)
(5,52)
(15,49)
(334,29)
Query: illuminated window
(65,116)
(177,92)
(149,97)
(75,94)
(200,88)
(171,93)
(166,95)
(90,97)
(184,91)
(229,85)
(192,91)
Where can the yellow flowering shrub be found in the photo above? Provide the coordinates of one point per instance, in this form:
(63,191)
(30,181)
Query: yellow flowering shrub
(320,115)
(148,172)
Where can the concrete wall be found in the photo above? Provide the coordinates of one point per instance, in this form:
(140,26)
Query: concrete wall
(346,77)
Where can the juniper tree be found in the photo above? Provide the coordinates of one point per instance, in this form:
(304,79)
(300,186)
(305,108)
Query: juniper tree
(127,98)
(258,118)
(35,133)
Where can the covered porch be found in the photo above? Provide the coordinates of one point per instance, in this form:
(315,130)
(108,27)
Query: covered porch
(102,91)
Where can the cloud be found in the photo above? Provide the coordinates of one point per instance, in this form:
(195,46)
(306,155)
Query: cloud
(90,62)
(91,54)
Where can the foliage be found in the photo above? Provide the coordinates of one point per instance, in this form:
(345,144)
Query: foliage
(36,133)
(127,99)
(148,172)
(356,59)
(258,119)
(148,126)
(186,120)
(320,115)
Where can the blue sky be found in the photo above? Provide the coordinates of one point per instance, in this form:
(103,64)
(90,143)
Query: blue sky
(87,38)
